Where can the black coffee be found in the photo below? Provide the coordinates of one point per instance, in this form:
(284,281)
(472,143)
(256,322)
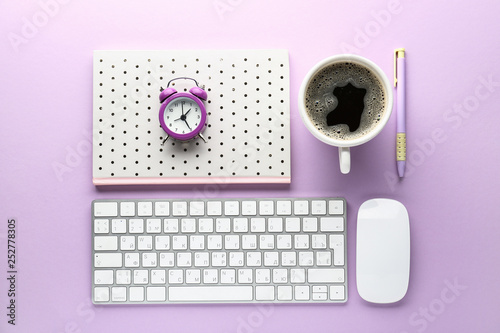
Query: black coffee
(345,100)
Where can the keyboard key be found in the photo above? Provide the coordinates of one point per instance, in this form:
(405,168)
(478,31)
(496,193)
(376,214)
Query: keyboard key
(325,275)
(302,293)
(123,276)
(179,242)
(231,208)
(222,225)
(284,293)
(145,242)
(101,226)
(263,275)
(283,207)
(266,242)
(105,209)
(249,208)
(240,224)
(149,259)
(264,293)
(119,294)
(136,294)
(175,276)
(310,224)
(301,207)
(103,277)
(292,224)
(254,259)
(318,241)
(275,224)
(301,241)
(212,293)
(183,259)
(170,226)
(210,276)
(337,244)
(101,294)
(188,226)
(306,258)
(271,259)
(127,209)
(141,276)
(214,242)
(218,259)
(196,242)
(298,275)
(201,259)
(156,294)
(162,208)
(127,243)
(162,243)
(335,207)
(258,224)
(288,258)
(318,207)
(323,258)
(118,226)
(284,242)
(214,208)
(205,225)
(337,293)
(179,208)
(193,276)
(231,242)
(236,259)
(266,208)
(249,242)
(280,275)
(167,259)
(158,276)
(132,260)
(228,276)
(332,224)
(245,275)
(136,226)
(144,208)
(197,208)
(153,226)
(105,243)
(108,260)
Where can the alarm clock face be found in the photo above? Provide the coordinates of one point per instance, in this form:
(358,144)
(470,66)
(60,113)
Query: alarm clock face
(183,117)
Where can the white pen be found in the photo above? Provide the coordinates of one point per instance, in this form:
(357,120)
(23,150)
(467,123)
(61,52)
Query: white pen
(400,82)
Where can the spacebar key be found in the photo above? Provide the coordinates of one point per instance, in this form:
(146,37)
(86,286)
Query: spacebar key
(207,294)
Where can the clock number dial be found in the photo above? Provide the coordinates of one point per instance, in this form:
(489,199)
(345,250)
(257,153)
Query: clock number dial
(182,116)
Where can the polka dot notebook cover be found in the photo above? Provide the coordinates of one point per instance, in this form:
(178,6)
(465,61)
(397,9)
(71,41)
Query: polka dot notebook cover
(248,117)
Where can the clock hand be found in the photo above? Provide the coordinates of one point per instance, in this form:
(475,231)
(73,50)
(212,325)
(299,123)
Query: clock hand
(187,125)
(187,112)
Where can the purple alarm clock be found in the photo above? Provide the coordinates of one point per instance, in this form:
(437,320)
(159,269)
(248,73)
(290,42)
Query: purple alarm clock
(183,115)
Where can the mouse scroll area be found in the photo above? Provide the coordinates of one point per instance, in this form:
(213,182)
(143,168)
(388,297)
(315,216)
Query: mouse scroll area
(382,251)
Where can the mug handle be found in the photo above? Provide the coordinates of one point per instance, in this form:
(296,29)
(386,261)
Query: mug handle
(345,159)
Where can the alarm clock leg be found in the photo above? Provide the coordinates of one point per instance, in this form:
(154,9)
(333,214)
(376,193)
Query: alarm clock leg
(202,137)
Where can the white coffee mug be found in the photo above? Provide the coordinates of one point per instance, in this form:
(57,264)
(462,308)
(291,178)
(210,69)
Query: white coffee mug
(344,145)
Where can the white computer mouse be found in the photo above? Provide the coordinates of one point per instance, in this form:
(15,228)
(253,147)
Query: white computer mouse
(382,251)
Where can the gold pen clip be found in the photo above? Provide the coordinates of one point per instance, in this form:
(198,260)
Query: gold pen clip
(398,53)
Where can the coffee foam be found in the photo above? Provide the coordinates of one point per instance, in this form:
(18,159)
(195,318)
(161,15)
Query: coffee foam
(319,98)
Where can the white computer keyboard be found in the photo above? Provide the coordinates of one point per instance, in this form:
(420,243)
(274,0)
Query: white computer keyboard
(219,251)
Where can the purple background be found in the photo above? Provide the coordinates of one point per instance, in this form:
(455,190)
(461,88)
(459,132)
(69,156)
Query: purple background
(451,189)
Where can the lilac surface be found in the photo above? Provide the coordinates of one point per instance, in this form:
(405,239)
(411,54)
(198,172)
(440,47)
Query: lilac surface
(450,188)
